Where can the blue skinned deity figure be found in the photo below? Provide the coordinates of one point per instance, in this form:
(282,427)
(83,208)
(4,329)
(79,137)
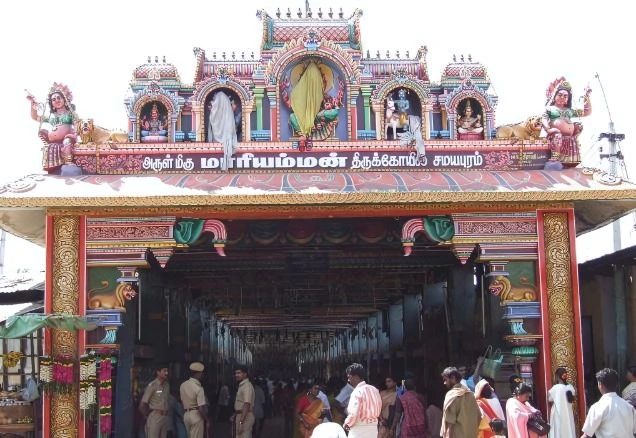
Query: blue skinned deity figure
(403,106)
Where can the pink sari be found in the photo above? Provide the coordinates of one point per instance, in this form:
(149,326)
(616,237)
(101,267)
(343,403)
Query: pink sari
(518,415)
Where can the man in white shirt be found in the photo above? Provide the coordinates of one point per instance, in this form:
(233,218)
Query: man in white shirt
(611,416)
(365,405)
(329,430)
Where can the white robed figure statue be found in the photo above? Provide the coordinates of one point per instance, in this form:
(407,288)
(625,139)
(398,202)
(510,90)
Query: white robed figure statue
(560,397)
(222,126)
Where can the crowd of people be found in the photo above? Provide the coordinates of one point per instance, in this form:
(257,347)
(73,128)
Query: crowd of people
(313,408)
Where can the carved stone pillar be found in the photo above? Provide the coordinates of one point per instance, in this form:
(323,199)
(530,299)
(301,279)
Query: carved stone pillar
(65,255)
(198,127)
(379,131)
(366,97)
(259,93)
(560,291)
(247,122)
(426,119)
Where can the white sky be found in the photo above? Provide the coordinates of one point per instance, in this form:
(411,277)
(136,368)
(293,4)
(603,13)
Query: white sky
(93,47)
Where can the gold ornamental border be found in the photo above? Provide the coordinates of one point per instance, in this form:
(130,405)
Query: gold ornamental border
(305,210)
(292,199)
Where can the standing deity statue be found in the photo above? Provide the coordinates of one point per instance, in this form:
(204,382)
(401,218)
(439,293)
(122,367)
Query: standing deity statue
(557,121)
(59,141)
(403,106)
(222,126)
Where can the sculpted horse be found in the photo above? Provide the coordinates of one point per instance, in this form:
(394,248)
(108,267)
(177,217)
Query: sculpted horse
(412,126)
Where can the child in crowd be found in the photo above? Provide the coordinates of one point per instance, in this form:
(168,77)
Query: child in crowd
(497,427)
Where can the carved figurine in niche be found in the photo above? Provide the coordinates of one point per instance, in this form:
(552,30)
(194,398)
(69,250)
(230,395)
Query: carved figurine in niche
(315,99)
(154,124)
(557,121)
(222,126)
(99,298)
(60,139)
(470,124)
(502,287)
(398,115)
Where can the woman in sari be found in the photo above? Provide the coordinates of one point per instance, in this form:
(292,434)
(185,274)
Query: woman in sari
(309,412)
(519,411)
(489,406)
(388,406)
(561,396)
(411,408)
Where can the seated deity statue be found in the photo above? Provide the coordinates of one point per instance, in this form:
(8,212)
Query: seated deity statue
(222,126)
(154,129)
(469,123)
(314,112)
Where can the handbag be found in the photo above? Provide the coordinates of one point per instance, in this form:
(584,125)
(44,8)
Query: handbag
(539,426)
(492,363)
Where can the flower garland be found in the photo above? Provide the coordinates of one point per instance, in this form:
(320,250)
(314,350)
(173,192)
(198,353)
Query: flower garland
(105,395)
(88,380)
(57,375)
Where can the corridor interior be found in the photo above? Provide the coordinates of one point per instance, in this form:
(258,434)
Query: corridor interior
(308,297)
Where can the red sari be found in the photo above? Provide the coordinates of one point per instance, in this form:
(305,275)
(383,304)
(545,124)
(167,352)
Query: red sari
(310,409)
(414,419)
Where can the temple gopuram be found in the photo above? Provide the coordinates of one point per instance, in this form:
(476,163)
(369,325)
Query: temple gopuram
(306,207)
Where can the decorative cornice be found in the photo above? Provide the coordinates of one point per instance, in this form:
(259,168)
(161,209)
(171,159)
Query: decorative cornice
(290,199)
(301,47)
(224,78)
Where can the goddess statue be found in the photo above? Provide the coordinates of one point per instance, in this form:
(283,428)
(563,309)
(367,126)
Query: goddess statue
(153,129)
(557,121)
(315,112)
(60,140)
(222,126)
(469,123)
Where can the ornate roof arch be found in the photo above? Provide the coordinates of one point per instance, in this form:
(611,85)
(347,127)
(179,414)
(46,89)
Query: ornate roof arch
(401,79)
(468,90)
(310,45)
(153,92)
(224,79)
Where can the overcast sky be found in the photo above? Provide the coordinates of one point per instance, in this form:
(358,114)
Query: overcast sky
(93,47)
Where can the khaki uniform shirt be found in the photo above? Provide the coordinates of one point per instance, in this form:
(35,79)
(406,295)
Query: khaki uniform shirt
(192,395)
(157,395)
(245,394)
(465,415)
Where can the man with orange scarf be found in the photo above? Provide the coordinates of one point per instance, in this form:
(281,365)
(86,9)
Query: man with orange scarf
(461,414)
(490,408)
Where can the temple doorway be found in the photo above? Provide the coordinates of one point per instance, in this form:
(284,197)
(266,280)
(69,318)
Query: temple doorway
(304,298)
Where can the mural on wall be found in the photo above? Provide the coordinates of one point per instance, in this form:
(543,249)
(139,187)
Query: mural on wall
(519,285)
(313,91)
(105,293)
(154,121)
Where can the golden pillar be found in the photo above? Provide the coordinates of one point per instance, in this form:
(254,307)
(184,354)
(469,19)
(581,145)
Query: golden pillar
(564,341)
(65,299)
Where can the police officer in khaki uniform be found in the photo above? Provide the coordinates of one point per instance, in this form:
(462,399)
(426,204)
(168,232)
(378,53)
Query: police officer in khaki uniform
(155,405)
(243,418)
(194,403)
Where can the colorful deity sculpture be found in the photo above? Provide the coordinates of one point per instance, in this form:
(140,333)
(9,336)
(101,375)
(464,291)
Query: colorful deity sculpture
(557,121)
(154,126)
(59,141)
(469,122)
(314,111)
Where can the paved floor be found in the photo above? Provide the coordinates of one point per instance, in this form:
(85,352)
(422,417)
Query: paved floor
(273,429)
